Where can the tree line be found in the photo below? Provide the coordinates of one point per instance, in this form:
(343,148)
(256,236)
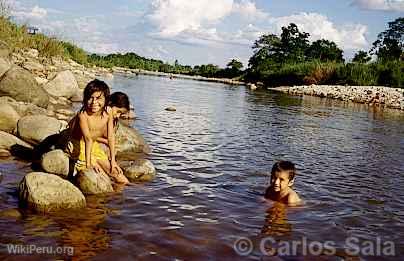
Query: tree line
(291,59)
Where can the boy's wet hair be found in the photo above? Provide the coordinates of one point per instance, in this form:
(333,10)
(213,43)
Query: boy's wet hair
(284,165)
(95,86)
(120,100)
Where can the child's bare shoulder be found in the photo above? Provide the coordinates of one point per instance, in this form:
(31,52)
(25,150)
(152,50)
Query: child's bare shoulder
(293,198)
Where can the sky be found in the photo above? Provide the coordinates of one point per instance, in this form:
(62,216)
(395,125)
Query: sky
(203,31)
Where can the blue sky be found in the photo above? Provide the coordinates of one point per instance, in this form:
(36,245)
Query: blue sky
(203,31)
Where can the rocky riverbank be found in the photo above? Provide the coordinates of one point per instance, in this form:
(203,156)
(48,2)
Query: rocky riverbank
(372,95)
(179,76)
(36,102)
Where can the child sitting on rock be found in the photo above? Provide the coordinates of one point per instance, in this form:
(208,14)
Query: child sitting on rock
(88,126)
(282,179)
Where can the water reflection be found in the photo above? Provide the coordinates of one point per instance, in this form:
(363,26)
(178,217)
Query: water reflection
(276,221)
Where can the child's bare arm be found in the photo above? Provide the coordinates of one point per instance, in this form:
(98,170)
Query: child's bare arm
(87,138)
(102,140)
(111,144)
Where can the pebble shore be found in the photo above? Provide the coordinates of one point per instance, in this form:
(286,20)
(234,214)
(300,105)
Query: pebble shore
(372,95)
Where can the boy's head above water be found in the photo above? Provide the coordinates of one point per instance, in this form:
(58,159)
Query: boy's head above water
(282,179)
(282,175)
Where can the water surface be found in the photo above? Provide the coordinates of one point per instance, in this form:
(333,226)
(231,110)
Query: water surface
(213,156)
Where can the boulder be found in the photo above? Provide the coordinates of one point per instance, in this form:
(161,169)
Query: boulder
(56,162)
(33,66)
(44,192)
(140,170)
(21,85)
(63,85)
(5,65)
(36,128)
(4,49)
(8,118)
(129,143)
(23,108)
(91,182)
(7,141)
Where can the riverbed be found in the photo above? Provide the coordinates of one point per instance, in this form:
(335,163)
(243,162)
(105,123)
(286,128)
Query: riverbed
(213,156)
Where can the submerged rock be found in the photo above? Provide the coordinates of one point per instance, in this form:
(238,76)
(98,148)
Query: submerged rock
(21,85)
(45,192)
(56,162)
(91,182)
(170,109)
(140,170)
(36,128)
(129,143)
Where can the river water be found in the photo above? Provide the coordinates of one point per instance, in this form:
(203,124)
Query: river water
(213,156)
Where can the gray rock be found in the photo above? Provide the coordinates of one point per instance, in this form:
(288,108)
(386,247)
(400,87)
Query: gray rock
(21,85)
(91,182)
(129,143)
(4,49)
(8,118)
(23,108)
(170,109)
(7,141)
(44,192)
(33,66)
(5,65)
(63,85)
(56,162)
(36,128)
(140,170)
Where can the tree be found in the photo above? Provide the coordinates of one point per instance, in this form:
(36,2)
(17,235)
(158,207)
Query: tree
(294,43)
(235,65)
(390,43)
(361,57)
(325,51)
(266,47)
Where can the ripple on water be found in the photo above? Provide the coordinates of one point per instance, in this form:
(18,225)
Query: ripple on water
(213,156)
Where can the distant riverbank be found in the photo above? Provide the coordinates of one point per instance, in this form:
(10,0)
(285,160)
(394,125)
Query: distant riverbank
(179,76)
(372,95)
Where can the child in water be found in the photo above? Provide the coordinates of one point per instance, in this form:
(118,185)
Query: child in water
(90,124)
(282,179)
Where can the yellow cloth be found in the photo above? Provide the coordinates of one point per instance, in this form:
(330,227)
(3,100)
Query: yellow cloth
(77,151)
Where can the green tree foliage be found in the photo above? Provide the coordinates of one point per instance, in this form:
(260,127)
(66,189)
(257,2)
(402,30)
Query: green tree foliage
(361,57)
(235,65)
(324,51)
(293,44)
(390,43)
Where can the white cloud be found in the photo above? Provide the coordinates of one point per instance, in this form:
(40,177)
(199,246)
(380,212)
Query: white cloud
(320,27)
(248,10)
(385,5)
(176,16)
(35,13)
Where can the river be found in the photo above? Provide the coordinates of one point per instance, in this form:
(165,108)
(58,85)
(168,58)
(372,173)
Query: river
(213,156)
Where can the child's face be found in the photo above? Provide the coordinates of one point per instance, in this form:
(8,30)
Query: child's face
(117,112)
(280,181)
(96,102)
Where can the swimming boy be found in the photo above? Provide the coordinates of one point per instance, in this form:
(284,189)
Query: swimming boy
(282,179)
